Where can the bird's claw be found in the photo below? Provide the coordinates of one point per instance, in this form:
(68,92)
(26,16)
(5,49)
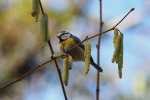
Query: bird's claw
(52,56)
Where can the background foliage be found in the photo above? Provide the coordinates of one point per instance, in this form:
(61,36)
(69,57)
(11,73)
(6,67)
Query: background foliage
(20,50)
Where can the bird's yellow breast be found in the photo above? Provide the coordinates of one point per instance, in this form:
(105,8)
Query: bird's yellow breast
(77,53)
(66,45)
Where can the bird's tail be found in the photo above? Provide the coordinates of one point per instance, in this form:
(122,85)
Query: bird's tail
(95,65)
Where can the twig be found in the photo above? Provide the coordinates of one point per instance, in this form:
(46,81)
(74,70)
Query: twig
(41,7)
(29,72)
(51,49)
(123,18)
(104,31)
(98,53)
(119,31)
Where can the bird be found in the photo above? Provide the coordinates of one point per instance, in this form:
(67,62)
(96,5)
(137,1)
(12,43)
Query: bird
(67,41)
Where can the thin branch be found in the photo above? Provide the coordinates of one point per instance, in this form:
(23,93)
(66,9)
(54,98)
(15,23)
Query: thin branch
(29,72)
(98,53)
(123,18)
(119,31)
(51,49)
(104,31)
(41,7)
(90,38)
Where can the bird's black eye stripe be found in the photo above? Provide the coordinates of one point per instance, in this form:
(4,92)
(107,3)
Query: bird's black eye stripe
(64,32)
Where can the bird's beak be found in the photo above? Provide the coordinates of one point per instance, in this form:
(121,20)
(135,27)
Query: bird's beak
(57,36)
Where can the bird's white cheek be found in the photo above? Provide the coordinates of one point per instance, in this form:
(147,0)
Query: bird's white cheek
(58,41)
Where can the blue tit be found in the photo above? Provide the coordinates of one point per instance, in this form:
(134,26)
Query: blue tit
(67,41)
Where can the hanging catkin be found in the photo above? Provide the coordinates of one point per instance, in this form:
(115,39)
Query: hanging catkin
(42,32)
(117,47)
(118,53)
(87,55)
(120,62)
(114,41)
(115,35)
(120,72)
(46,27)
(65,71)
(70,62)
(58,55)
(35,9)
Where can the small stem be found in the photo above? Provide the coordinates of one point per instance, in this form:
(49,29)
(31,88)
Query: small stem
(119,31)
(29,72)
(87,38)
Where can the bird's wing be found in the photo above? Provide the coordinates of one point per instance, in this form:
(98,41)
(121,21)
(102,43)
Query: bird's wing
(77,40)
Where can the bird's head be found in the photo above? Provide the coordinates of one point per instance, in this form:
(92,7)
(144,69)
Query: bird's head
(63,35)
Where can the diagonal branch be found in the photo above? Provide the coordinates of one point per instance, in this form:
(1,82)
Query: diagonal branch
(29,72)
(123,18)
(104,31)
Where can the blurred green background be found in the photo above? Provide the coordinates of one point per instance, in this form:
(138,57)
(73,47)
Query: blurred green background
(20,50)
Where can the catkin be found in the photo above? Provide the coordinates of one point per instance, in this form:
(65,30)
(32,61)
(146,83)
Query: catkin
(87,55)
(117,47)
(114,41)
(118,53)
(118,56)
(58,55)
(46,27)
(120,72)
(120,66)
(120,62)
(115,35)
(70,62)
(65,71)
(42,32)
(35,9)
(36,18)
(85,51)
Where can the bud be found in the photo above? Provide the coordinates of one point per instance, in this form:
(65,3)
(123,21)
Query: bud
(132,9)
